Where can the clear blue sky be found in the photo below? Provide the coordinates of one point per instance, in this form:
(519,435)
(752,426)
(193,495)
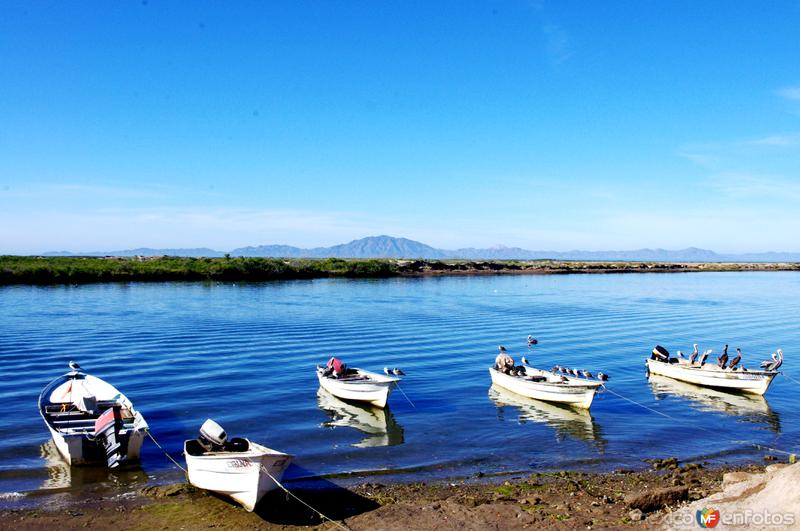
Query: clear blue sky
(547,125)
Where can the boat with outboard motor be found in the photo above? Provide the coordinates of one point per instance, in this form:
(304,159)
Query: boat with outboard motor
(550,386)
(731,377)
(238,468)
(357,384)
(90,421)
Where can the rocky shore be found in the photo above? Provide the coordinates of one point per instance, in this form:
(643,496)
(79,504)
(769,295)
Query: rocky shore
(559,500)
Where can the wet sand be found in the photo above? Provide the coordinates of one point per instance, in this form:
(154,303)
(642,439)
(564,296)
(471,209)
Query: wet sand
(557,500)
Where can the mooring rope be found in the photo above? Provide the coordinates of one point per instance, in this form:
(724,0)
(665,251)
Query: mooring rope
(405,395)
(290,493)
(790,378)
(165,452)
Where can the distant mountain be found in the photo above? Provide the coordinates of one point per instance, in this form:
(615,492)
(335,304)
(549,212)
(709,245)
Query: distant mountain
(390,247)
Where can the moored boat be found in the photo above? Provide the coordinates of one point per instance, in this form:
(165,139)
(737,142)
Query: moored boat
(90,421)
(356,384)
(377,424)
(719,376)
(238,468)
(548,386)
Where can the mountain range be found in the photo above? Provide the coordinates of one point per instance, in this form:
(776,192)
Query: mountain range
(391,247)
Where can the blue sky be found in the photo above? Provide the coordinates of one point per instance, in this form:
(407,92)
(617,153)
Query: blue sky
(546,125)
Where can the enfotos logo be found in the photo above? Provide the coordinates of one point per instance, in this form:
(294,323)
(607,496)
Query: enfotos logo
(708,518)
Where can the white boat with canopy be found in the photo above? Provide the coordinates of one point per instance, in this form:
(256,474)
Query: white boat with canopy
(90,421)
(356,384)
(238,468)
(720,375)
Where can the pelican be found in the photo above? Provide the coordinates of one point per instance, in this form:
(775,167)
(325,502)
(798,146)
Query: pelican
(532,341)
(501,348)
(74,366)
(563,370)
(586,374)
(603,377)
(555,369)
(735,361)
(573,372)
(387,371)
(694,355)
(723,360)
(704,357)
(398,372)
(524,360)
(680,355)
(777,361)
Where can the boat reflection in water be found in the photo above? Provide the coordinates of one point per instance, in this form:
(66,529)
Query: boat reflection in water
(61,476)
(751,408)
(566,421)
(378,424)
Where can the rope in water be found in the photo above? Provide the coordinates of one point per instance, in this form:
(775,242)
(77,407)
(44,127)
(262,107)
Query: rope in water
(405,395)
(165,452)
(287,491)
(748,443)
(790,378)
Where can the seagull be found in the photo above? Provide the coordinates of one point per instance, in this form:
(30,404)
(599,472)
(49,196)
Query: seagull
(74,366)
(586,374)
(694,354)
(532,341)
(502,348)
(603,377)
(398,372)
(524,360)
(735,361)
(386,371)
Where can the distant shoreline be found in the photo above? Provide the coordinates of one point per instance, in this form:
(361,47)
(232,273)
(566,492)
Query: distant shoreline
(37,270)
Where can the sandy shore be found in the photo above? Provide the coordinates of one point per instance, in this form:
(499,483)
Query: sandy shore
(561,500)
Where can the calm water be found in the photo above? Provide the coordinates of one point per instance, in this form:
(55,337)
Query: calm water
(244,354)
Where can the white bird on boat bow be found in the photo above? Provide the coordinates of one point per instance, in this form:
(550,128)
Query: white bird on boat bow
(90,420)
(736,379)
(239,468)
(359,385)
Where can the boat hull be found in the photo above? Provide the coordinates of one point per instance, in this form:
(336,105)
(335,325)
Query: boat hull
(752,382)
(78,449)
(374,391)
(241,476)
(574,393)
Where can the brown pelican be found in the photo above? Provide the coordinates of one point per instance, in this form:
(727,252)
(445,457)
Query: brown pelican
(680,355)
(555,369)
(586,374)
(735,361)
(704,357)
(723,360)
(777,361)
(694,354)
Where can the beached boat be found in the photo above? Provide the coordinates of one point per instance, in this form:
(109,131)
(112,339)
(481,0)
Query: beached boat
(238,468)
(713,375)
(359,385)
(377,424)
(548,386)
(90,421)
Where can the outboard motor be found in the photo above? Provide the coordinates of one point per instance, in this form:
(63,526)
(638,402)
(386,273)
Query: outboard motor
(106,433)
(660,354)
(212,437)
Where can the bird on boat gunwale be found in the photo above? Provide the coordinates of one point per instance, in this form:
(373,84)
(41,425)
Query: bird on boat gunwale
(74,366)
(735,361)
(603,377)
(398,372)
(501,348)
(704,357)
(694,355)
(586,374)
(524,360)
(387,371)
(723,360)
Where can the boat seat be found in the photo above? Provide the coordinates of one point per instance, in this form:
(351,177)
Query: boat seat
(236,444)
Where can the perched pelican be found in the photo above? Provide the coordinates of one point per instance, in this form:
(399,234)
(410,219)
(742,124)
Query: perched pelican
(603,377)
(704,357)
(398,372)
(680,355)
(735,361)
(586,374)
(524,360)
(532,341)
(563,370)
(694,355)
(573,372)
(723,360)
(555,369)
(74,366)
(777,361)
(387,372)
(563,378)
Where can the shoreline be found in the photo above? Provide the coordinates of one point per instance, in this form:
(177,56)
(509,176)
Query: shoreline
(553,500)
(38,270)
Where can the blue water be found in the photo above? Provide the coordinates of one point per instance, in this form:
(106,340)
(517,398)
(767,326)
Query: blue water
(244,355)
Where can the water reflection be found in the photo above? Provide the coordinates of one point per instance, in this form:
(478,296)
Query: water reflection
(378,424)
(566,421)
(60,475)
(751,408)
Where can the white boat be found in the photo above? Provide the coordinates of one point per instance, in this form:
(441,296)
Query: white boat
(359,385)
(240,469)
(90,421)
(712,375)
(548,386)
(377,424)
